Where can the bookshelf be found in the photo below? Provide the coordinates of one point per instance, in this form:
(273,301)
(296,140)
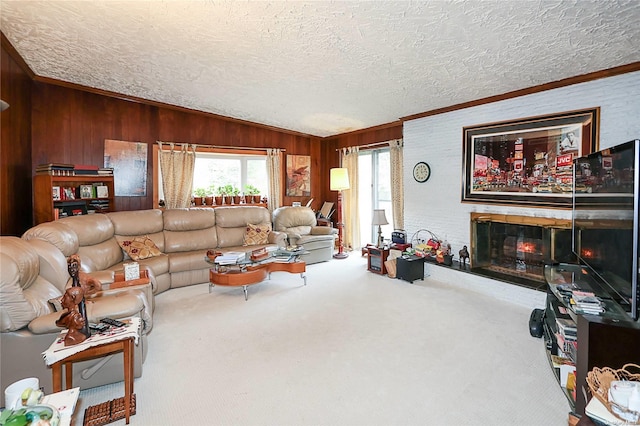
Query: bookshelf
(611,339)
(45,205)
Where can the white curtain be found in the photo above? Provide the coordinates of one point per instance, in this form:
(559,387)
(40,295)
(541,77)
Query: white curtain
(274,169)
(176,169)
(350,207)
(397,183)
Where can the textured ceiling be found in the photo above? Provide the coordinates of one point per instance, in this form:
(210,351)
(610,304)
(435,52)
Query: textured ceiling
(320,68)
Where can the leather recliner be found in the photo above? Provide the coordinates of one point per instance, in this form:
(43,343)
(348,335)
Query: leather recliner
(300,225)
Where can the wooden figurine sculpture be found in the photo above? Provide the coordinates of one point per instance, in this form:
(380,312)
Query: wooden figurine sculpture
(90,287)
(72,318)
(464,255)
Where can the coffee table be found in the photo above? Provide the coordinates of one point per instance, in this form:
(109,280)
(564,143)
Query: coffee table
(246,272)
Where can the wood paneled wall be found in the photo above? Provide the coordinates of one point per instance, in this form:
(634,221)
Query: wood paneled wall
(51,121)
(74,132)
(16,213)
(372,135)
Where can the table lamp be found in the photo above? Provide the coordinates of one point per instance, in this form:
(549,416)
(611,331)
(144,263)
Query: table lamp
(379,219)
(339,181)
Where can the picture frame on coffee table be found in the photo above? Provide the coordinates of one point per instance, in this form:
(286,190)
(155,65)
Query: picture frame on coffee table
(529,161)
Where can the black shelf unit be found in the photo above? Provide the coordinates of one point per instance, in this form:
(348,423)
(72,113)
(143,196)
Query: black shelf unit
(410,268)
(608,340)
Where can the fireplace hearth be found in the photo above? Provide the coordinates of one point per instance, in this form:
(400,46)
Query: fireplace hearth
(515,249)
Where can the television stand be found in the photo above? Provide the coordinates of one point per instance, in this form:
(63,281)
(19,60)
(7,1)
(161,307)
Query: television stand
(608,340)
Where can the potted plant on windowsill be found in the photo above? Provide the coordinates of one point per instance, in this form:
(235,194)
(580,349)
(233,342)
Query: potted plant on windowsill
(220,195)
(252,194)
(198,195)
(225,193)
(235,193)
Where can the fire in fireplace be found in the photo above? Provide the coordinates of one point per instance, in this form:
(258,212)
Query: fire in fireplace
(515,248)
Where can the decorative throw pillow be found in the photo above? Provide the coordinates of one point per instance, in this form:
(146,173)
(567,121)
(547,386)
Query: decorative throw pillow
(257,234)
(140,248)
(56,304)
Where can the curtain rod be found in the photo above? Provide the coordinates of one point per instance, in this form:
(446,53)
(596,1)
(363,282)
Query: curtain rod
(369,145)
(197,145)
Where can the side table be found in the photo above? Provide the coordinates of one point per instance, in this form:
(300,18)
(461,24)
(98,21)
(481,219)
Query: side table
(376,258)
(125,346)
(121,339)
(410,268)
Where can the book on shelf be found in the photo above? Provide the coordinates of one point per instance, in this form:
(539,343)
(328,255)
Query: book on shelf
(586,303)
(77,172)
(567,328)
(54,166)
(106,171)
(56,172)
(85,167)
(559,360)
(99,205)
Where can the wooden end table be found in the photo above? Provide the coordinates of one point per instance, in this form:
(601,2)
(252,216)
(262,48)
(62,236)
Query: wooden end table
(125,346)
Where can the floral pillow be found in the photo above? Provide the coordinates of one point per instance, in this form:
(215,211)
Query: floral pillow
(257,234)
(140,248)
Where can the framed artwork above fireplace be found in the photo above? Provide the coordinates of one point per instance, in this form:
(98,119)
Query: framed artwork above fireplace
(528,161)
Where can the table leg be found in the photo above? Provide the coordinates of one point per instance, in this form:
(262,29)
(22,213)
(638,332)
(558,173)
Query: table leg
(56,371)
(304,277)
(128,376)
(246,296)
(68,374)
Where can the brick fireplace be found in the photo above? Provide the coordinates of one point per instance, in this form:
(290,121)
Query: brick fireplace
(515,248)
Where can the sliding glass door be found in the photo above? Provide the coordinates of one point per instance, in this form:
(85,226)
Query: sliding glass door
(374,183)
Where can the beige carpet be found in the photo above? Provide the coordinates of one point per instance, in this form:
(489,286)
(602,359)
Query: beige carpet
(350,348)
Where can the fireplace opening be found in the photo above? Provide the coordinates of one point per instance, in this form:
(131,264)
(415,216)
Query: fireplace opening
(515,248)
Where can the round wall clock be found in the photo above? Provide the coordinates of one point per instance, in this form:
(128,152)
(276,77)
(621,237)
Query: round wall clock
(421,172)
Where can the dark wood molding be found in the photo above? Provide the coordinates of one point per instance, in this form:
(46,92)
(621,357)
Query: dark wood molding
(367,130)
(6,44)
(623,69)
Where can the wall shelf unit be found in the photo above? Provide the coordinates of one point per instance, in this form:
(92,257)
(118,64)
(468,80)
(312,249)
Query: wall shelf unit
(45,205)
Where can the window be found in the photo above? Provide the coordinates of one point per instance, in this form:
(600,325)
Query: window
(374,183)
(213,170)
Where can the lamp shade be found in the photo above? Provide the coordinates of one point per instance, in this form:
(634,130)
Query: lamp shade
(339,179)
(379,217)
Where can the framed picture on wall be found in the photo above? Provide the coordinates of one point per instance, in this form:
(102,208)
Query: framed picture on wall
(129,163)
(527,162)
(298,175)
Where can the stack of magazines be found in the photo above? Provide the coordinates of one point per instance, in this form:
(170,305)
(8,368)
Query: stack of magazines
(230,258)
(584,302)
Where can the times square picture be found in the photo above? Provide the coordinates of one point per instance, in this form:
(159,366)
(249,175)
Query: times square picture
(536,161)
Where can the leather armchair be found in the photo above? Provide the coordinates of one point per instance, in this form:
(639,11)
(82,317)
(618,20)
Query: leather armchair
(300,225)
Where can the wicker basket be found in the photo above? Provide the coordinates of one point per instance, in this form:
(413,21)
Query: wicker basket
(599,381)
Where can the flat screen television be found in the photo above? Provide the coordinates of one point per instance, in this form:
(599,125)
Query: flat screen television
(606,191)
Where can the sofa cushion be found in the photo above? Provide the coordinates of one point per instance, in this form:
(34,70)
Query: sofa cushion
(100,256)
(57,233)
(189,229)
(23,293)
(137,222)
(139,248)
(256,234)
(91,229)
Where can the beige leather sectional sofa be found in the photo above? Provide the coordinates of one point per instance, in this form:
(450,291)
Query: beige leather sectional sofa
(33,270)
